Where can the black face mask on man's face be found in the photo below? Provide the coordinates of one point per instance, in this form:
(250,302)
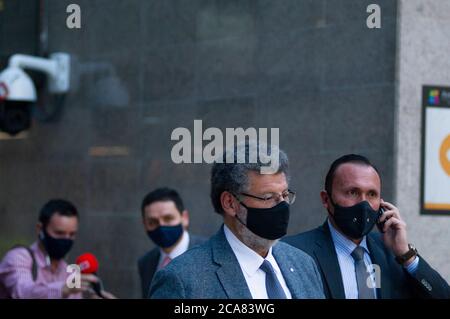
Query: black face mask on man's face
(355,221)
(268,223)
(57,248)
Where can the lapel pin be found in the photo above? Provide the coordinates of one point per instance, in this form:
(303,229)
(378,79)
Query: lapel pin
(291,269)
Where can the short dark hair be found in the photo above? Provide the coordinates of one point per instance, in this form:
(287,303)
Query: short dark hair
(162,194)
(56,206)
(349,158)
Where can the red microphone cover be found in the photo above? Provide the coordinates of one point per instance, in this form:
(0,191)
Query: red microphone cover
(88,263)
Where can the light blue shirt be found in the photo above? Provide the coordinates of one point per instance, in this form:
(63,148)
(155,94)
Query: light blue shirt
(344,247)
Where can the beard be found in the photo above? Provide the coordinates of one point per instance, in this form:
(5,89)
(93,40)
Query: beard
(249,238)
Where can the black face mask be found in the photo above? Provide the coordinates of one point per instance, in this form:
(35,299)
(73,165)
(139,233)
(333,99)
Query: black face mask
(166,236)
(355,221)
(56,248)
(269,223)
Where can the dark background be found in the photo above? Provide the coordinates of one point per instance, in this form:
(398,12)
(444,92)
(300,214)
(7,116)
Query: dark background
(142,68)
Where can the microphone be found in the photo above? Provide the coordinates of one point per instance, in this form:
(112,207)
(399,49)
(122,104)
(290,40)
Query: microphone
(89,265)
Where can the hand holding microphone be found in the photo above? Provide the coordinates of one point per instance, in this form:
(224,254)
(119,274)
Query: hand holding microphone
(89,267)
(86,282)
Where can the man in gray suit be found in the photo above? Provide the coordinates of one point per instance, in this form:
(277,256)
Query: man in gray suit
(244,259)
(165,220)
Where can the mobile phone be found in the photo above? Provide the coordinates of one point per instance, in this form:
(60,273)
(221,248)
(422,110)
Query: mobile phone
(380,225)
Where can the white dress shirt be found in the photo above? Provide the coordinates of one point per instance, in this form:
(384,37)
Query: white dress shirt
(179,249)
(250,261)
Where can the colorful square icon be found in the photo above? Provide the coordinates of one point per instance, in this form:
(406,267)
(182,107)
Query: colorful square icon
(433,97)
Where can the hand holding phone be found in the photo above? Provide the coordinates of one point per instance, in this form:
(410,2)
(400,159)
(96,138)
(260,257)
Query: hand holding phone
(380,225)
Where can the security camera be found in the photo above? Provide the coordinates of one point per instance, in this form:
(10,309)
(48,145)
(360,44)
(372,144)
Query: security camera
(17,90)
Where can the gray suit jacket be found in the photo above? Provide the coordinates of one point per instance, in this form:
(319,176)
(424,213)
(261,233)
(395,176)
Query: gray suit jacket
(148,263)
(211,270)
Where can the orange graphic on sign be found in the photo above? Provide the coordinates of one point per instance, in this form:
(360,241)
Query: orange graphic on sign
(444,154)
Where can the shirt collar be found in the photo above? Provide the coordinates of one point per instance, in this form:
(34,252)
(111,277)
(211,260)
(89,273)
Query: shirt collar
(342,243)
(180,248)
(248,259)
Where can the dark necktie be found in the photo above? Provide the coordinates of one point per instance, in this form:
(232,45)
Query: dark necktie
(273,287)
(364,291)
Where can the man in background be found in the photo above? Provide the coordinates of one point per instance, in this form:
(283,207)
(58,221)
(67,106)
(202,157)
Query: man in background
(166,221)
(39,271)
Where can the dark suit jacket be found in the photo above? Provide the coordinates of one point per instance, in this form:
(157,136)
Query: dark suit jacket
(148,263)
(396,282)
(211,270)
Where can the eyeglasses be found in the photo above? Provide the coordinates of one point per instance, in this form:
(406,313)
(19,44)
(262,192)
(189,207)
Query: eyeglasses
(288,196)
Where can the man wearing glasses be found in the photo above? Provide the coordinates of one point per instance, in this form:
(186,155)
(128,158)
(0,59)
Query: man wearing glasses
(244,259)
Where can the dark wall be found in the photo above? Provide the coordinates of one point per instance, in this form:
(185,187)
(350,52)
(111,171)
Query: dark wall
(143,68)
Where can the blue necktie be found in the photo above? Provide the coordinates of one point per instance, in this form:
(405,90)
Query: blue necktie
(273,287)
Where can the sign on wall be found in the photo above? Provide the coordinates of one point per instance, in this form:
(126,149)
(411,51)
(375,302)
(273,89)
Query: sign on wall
(435,195)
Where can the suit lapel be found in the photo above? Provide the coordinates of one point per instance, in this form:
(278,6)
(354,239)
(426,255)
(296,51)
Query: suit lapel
(229,272)
(378,257)
(329,264)
(153,264)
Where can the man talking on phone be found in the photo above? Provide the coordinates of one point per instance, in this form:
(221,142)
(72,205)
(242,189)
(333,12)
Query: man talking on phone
(354,262)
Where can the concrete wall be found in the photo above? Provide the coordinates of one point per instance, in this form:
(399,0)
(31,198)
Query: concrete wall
(146,67)
(423,46)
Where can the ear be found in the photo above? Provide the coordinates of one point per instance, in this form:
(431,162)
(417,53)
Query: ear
(326,201)
(185,218)
(229,203)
